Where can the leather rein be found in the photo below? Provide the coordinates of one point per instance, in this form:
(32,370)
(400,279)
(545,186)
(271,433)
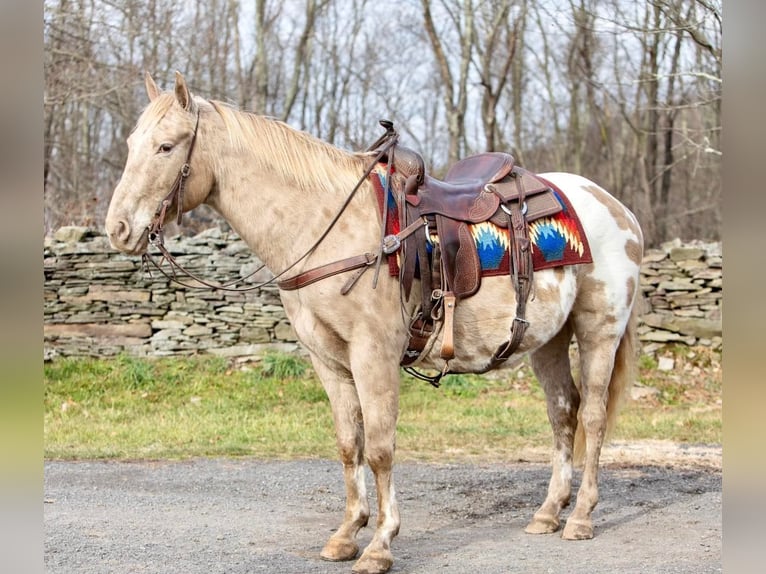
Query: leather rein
(175,197)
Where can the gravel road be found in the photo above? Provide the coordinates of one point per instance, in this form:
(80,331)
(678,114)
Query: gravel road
(248,516)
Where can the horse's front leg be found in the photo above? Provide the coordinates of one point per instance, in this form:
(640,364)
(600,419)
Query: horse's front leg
(349,434)
(378,390)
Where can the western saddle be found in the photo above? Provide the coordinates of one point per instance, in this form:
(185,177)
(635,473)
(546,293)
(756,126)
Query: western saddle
(435,243)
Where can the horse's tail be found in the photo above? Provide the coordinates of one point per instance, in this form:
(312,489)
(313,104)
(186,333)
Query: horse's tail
(620,383)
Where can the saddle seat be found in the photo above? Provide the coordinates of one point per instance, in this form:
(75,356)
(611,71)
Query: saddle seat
(476,189)
(463,195)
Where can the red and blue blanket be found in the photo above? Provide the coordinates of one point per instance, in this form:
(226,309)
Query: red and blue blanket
(557,240)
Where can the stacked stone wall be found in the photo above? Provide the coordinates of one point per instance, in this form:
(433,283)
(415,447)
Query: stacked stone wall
(682,285)
(100,303)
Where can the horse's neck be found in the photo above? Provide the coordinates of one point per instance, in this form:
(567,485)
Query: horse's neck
(281,220)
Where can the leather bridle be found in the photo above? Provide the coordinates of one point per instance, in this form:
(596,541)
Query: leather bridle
(176,195)
(156,230)
(156,237)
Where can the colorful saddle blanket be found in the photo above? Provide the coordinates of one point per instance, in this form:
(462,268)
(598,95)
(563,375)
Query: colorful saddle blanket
(557,240)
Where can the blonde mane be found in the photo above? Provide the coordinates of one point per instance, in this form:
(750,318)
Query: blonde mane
(294,156)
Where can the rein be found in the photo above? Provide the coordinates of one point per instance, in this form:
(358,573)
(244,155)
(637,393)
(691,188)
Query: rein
(175,196)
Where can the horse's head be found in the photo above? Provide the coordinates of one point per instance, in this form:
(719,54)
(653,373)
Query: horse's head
(163,141)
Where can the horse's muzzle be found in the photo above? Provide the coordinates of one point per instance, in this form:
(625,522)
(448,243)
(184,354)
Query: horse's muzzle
(122,237)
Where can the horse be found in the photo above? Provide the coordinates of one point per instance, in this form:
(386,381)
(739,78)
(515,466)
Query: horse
(287,195)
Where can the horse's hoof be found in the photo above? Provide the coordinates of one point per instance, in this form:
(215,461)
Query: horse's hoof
(542,525)
(374,563)
(338,550)
(577,530)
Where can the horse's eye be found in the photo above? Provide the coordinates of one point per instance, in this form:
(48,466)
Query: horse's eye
(165,148)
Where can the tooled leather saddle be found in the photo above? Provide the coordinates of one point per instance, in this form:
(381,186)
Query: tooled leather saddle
(436,246)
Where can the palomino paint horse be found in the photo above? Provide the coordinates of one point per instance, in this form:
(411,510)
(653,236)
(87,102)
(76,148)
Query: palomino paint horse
(280,188)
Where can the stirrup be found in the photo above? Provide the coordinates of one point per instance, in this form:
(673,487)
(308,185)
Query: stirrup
(434,380)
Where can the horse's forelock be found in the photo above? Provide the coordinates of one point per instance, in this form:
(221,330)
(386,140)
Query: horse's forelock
(154,112)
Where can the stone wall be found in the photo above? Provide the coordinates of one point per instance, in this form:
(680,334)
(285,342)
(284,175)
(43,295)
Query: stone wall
(682,286)
(100,303)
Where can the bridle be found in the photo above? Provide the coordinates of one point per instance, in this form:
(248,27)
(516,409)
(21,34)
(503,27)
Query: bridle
(156,230)
(176,194)
(156,235)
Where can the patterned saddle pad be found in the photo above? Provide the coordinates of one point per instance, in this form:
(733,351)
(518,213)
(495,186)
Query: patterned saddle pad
(557,240)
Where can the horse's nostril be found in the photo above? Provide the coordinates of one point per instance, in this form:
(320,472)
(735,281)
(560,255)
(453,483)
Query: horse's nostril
(122,230)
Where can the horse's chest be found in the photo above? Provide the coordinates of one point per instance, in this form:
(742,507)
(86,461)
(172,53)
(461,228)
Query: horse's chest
(331,325)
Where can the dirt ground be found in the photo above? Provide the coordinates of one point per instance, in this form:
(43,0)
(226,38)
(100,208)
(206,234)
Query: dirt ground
(660,512)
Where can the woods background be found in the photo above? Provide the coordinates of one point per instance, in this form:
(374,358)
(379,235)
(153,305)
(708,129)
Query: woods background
(626,93)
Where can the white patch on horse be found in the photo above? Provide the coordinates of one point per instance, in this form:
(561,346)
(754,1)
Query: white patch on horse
(608,240)
(565,474)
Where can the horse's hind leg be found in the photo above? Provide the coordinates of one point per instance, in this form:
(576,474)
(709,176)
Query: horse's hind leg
(552,368)
(606,363)
(349,434)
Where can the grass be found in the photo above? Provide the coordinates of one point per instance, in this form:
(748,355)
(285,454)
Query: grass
(686,404)
(131,408)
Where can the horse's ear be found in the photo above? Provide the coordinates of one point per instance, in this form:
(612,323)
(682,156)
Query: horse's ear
(151,88)
(182,92)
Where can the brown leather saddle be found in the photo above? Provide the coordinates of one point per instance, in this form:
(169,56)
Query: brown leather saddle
(442,252)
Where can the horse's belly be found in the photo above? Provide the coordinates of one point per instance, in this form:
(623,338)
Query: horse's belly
(483,321)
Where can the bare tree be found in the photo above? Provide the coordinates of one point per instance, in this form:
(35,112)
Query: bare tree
(302,56)
(626,93)
(674,115)
(498,39)
(548,80)
(460,15)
